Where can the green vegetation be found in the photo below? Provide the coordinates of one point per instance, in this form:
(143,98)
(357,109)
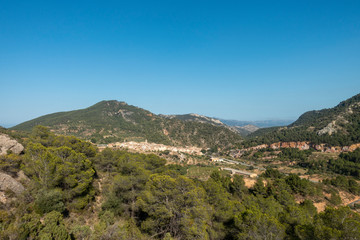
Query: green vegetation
(294,154)
(60,170)
(292,184)
(345,164)
(344,183)
(200,172)
(113,121)
(75,192)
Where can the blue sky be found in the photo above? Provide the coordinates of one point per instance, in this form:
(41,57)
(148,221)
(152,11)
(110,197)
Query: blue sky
(244,60)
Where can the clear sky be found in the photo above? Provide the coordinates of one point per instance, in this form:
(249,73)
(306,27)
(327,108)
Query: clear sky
(244,60)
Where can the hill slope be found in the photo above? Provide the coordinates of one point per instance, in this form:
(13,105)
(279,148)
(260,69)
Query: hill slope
(335,126)
(259,124)
(111,121)
(243,129)
(193,117)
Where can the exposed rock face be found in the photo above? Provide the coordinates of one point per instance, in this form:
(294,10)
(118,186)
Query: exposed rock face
(329,129)
(6,143)
(299,145)
(354,146)
(7,182)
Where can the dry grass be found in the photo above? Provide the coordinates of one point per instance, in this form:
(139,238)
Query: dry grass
(320,206)
(249,182)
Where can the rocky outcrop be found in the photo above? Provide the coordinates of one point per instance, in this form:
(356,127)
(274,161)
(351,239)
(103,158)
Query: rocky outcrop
(353,147)
(329,129)
(6,144)
(299,145)
(9,183)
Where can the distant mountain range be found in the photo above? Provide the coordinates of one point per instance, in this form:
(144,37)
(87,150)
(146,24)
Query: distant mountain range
(338,126)
(114,121)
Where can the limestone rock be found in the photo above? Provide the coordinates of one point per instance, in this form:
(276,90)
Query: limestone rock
(329,129)
(6,143)
(7,182)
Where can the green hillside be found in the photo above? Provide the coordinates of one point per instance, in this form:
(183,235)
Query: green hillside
(338,126)
(112,121)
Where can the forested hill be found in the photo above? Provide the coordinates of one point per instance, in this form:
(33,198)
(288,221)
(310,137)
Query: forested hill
(322,118)
(338,126)
(112,121)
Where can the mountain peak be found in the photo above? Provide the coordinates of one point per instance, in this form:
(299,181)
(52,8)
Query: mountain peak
(115,121)
(111,102)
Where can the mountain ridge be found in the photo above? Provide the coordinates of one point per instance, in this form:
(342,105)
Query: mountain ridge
(257,123)
(339,125)
(243,128)
(114,121)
